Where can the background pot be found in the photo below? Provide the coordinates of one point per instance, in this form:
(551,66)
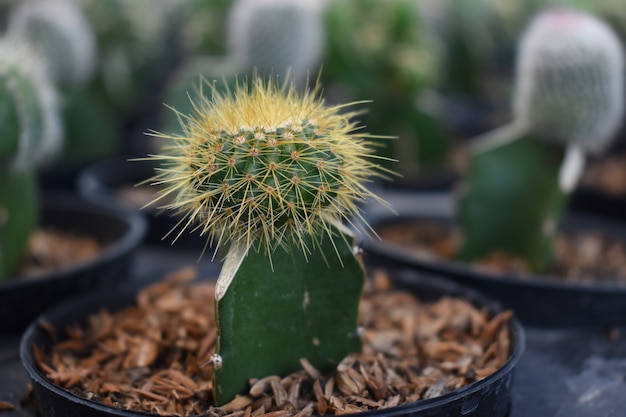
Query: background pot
(539,301)
(489,397)
(104,183)
(24,299)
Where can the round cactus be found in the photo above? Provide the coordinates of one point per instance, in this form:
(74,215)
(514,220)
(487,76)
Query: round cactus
(274,36)
(30,132)
(266,164)
(30,121)
(570,79)
(61,33)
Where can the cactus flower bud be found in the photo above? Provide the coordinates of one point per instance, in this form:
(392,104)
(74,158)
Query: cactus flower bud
(570,79)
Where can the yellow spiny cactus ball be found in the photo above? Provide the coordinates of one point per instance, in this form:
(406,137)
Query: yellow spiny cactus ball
(265,164)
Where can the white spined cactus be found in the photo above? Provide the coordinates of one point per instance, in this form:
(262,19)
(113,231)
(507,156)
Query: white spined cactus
(60,31)
(275,36)
(31,130)
(570,79)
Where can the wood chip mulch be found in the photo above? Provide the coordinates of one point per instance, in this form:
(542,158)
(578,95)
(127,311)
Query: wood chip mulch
(6,406)
(50,249)
(148,357)
(584,256)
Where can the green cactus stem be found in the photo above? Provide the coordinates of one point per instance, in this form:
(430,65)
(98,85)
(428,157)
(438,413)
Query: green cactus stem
(30,132)
(274,174)
(511,201)
(568,102)
(18,218)
(270,318)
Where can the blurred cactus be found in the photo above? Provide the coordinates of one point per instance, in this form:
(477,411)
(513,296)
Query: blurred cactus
(570,83)
(569,100)
(139,45)
(274,36)
(186,81)
(272,173)
(31,134)
(59,30)
(381,51)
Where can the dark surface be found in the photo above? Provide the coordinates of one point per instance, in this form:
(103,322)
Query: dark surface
(562,373)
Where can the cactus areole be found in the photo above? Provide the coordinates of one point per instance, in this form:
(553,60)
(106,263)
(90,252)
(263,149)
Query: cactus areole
(273,173)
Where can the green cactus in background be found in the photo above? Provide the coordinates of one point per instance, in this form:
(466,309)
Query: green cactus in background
(271,173)
(569,100)
(276,36)
(139,44)
(31,134)
(270,37)
(381,51)
(60,32)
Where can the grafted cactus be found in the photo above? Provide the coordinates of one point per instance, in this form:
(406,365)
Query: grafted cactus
(60,31)
(275,36)
(30,134)
(272,173)
(568,102)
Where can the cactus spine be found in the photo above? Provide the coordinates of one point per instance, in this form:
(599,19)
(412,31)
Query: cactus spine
(273,173)
(568,102)
(31,133)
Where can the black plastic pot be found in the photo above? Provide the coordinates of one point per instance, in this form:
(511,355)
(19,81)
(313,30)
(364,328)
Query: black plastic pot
(24,299)
(101,183)
(540,301)
(595,201)
(490,397)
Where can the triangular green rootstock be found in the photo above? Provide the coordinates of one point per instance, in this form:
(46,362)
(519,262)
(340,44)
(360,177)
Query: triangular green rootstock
(275,312)
(511,201)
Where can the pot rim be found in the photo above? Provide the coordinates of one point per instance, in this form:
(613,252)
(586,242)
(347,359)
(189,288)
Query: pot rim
(517,335)
(135,223)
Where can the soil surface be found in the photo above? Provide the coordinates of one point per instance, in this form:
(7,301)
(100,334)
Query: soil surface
(153,356)
(50,250)
(581,257)
(608,174)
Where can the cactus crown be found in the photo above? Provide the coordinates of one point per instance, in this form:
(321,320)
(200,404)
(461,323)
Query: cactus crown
(30,127)
(570,81)
(266,164)
(60,31)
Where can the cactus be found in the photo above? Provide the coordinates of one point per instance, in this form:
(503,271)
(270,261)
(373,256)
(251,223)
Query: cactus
(272,173)
(380,51)
(59,30)
(568,102)
(31,134)
(276,36)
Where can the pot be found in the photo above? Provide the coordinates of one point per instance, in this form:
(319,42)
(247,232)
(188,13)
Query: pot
(25,299)
(538,300)
(489,397)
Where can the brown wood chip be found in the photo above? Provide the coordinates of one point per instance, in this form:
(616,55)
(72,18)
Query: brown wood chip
(6,406)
